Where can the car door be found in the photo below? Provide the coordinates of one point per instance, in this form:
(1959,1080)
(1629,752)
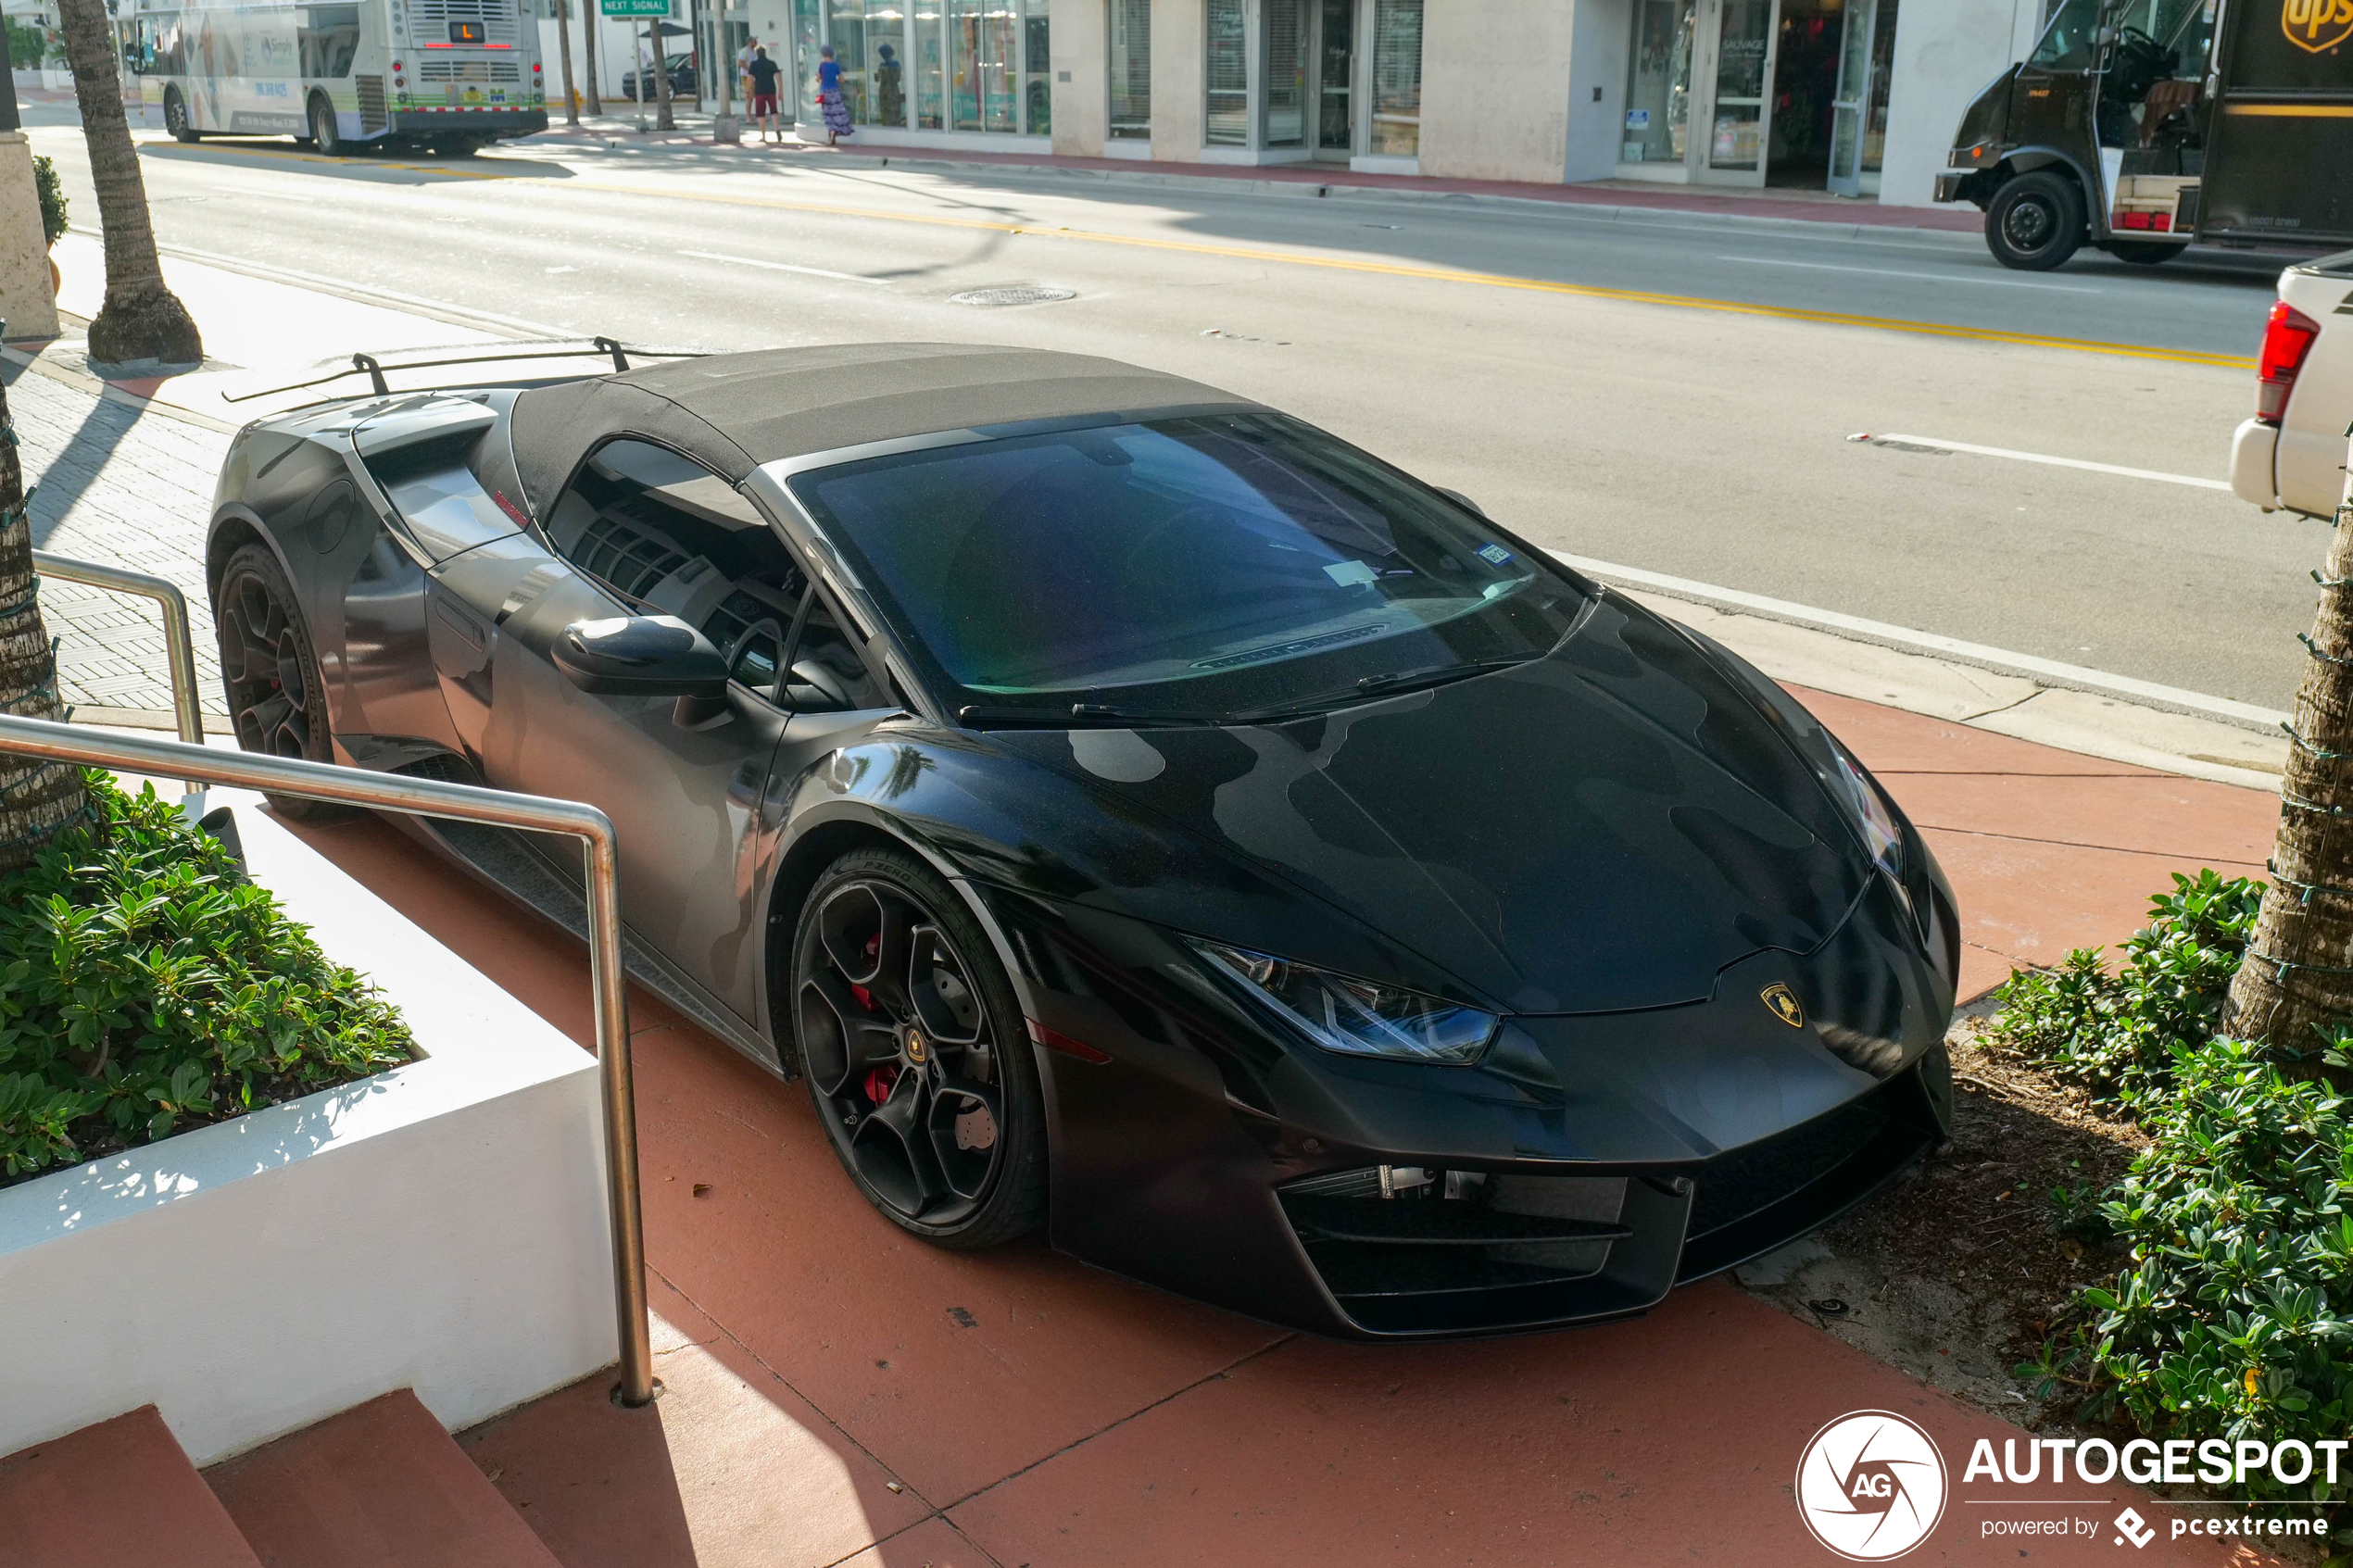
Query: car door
(643,530)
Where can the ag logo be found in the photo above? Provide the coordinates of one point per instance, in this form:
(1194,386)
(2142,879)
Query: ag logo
(2316,25)
(1870,1485)
(1779,997)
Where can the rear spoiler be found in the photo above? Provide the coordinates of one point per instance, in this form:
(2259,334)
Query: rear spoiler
(374,369)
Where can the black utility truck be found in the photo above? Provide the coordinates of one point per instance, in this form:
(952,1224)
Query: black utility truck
(2139,126)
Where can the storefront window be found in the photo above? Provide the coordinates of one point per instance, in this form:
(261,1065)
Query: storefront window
(1659,83)
(1038,71)
(929,45)
(1882,73)
(1397,79)
(1286,72)
(1131,69)
(1227,122)
(846,31)
(807,35)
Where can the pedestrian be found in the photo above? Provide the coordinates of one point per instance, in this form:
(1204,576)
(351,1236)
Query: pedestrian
(743,67)
(829,99)
(761,94)
(891,95)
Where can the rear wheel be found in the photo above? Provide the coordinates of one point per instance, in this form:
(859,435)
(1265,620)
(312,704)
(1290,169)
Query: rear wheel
(916,1055)
(269,672)
(2144,253)
(323,133)
(175,117)
(2035,221)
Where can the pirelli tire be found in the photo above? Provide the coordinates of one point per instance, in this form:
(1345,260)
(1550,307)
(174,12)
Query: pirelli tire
(2036,220)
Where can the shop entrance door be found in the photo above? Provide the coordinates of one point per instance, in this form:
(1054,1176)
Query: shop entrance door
(1735,133)
(1858,122)
(1336,78)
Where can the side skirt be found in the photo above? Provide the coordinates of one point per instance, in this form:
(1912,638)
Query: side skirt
(503,860)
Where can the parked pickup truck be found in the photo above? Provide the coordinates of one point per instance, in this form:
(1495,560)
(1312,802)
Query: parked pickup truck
(2138,126)
(2291,454)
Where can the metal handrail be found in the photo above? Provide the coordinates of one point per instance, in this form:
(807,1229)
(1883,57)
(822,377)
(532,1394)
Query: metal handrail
(179,643)
(433,797)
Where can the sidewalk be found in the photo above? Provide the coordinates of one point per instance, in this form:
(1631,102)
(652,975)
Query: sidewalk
(1810,206)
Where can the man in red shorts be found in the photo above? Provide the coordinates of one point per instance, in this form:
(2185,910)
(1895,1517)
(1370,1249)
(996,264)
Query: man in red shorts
(763,73)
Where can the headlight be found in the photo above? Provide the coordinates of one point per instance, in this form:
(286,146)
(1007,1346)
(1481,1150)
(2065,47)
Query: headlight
(1881,836)
(1356,1017)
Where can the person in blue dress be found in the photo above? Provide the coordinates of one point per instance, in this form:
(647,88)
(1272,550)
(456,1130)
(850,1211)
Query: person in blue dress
(829,99)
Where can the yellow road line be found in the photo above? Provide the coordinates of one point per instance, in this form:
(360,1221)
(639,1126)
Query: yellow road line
(2293,111)
(1377,269)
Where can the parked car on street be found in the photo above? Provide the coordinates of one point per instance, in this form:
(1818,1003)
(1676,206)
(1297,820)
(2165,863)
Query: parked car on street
(1131,810)
(682,80)
(2291,454)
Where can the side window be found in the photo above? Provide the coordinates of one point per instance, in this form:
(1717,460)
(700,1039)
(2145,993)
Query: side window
(665,535)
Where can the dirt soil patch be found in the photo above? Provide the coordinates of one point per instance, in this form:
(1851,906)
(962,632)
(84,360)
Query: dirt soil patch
(1956,1272)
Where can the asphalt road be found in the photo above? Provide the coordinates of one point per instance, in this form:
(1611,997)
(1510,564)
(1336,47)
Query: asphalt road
(1657,392)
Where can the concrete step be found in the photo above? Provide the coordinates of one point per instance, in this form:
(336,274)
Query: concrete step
(120,1494)
(381,1486)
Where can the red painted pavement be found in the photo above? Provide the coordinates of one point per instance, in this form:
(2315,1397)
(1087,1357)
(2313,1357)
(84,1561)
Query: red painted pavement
(1015,1407)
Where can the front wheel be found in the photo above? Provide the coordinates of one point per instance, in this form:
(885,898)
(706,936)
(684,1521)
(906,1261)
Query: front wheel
(323,133)
(916,1053)
(269,673)
(2035,221)
(175,117)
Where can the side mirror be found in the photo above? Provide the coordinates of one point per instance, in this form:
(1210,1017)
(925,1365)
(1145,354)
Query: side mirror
(642,655)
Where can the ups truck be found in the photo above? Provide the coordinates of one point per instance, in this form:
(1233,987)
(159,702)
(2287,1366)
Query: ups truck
(2140,126)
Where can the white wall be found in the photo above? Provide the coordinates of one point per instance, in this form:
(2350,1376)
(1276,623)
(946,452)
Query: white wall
(1080,31)
(440,1227)
(1598,52)
(1495,86)
(1946,51)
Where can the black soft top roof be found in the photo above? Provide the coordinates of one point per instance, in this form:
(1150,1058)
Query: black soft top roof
(734,412)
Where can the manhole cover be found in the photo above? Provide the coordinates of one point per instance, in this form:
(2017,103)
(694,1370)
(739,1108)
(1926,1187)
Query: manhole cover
(1012,293)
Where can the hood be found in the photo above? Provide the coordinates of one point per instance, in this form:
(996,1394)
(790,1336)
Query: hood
(1602,829)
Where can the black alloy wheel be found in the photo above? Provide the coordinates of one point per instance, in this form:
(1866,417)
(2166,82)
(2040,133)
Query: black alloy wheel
(916,1054)
(323,133)
(2035,221)
(270,672)
(175,117)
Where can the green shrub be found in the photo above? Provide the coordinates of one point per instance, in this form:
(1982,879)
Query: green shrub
(2235,1317)
(2116,1033)
(144,986)
(52,192)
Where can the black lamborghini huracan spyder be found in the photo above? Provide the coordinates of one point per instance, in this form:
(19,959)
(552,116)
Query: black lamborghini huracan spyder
(1131,810)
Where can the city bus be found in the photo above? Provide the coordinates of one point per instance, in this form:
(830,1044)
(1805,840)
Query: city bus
(452,74)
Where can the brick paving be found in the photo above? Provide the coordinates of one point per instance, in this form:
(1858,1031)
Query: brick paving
(129,487)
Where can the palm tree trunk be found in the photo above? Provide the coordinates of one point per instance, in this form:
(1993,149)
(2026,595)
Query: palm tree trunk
(2298,976)
(588,43)
(140,318)
(37,799)
(662,118)
(563,48)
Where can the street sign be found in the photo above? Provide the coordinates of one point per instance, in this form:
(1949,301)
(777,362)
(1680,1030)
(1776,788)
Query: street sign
(636,7)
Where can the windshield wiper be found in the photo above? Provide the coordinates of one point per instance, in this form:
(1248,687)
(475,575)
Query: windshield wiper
(1077,715)
(1372,687)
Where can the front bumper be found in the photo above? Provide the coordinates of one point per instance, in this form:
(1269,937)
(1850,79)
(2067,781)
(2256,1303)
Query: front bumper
(1588,1165)
(1948,185)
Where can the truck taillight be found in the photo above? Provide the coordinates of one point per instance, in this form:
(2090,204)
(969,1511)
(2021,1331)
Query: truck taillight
(2287,338)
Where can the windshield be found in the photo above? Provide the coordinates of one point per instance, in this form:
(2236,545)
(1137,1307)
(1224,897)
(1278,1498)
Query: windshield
(1206,566)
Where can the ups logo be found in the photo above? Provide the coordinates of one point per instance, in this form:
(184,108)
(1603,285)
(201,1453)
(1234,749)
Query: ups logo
(2316,25)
